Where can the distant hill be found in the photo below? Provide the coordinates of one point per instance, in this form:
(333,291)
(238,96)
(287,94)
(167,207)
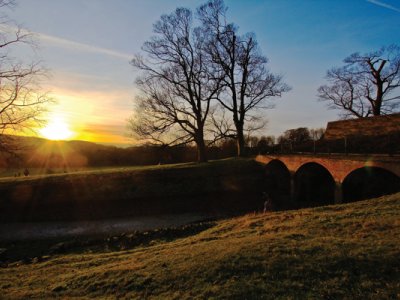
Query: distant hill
(34,152)
(50,155)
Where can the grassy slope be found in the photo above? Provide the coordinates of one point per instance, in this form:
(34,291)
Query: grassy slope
(334,252)
(120,192)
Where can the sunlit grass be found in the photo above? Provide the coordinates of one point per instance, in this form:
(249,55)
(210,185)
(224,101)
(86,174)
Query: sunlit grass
(334,252)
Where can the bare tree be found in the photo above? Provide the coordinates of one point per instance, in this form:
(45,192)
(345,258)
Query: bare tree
(248,84)
(365,85)
(22,104)
(177,84)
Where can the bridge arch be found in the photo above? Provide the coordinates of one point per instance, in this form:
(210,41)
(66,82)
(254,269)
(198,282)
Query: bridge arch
(313,185)
(277,183)
(369,182)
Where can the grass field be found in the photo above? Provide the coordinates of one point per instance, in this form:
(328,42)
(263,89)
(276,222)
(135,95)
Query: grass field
(7,175)
(224,165)
(336,252)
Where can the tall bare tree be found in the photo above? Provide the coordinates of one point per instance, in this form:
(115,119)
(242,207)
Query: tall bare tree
(177,84)
(248,83)
(366,85)
(22,103)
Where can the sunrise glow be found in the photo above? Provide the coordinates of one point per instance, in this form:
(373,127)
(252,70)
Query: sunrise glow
(56,129)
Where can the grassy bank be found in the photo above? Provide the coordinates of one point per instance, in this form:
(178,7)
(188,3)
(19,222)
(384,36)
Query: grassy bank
(119,192)
(336,252)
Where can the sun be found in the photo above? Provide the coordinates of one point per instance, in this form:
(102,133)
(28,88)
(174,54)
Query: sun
(56,129)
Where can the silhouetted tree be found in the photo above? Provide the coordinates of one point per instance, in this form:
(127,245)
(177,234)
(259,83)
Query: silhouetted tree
(365,85)
(265,144)
(247,82)
(296,136)
(177,84)
(21,101)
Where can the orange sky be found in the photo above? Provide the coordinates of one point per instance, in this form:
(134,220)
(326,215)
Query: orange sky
(81,114)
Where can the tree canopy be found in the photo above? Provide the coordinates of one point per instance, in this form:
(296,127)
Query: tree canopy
(187,70)
(177,84)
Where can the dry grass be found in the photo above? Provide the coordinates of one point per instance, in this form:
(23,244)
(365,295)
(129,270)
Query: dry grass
(336,252)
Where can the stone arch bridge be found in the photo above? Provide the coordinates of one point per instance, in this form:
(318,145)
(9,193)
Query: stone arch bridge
(301,180)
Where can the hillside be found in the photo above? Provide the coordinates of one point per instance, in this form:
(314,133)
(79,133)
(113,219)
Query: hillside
(336,252)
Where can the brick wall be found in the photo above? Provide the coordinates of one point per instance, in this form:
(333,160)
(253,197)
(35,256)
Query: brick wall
(371,126)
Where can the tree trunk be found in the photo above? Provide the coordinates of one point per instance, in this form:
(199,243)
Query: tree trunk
(201,150)
(376,108)
(240,140)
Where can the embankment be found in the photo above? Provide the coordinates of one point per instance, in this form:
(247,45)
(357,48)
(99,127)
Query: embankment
(225,186)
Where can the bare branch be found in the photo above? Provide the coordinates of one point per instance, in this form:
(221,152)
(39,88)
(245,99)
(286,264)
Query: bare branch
(247,83)
(177,83)
(22,103)
(364,85)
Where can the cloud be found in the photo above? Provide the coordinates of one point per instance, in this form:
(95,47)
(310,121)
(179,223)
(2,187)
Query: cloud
(385,5)
(67,44)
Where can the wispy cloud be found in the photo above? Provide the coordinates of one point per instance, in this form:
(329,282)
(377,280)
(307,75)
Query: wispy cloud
(67,44)
(385,5)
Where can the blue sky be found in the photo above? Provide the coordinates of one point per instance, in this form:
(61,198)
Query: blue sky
(87,45)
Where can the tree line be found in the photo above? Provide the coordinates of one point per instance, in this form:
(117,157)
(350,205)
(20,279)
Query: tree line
(52,156)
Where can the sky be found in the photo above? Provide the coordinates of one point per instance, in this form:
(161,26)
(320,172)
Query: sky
(87,44)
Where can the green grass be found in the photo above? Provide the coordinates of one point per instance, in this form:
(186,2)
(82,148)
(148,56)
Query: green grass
(336,252)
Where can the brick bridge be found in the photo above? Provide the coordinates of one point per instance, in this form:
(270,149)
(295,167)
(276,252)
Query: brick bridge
(299,180)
